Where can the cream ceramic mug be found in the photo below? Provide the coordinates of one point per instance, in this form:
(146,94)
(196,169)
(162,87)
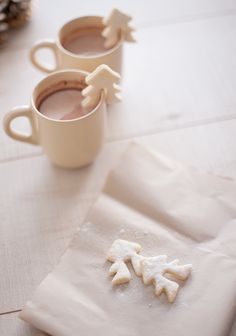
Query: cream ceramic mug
(65,59)
(68,143)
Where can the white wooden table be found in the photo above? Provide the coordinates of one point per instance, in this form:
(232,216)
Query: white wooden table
(178,98)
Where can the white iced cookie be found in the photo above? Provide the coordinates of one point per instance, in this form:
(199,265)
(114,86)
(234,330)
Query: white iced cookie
(120,252)
(117,23)
(102,78)
(154,270)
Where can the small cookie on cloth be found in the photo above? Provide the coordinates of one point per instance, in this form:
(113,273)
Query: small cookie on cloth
(154,270)
(120,252)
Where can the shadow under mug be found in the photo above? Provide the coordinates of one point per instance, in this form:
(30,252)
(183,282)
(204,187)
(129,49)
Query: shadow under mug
(68,143)
(65,59)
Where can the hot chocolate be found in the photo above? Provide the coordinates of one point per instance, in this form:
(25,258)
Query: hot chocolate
(86,42)
(64,104)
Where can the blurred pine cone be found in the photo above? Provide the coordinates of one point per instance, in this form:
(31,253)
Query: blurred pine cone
(13,14)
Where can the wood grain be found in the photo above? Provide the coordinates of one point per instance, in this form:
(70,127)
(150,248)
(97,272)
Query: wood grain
(178,98)
(11,325)
(177,75)
(41,206)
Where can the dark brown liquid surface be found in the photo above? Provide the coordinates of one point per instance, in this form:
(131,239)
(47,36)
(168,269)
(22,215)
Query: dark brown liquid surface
(88,42)
(64,104)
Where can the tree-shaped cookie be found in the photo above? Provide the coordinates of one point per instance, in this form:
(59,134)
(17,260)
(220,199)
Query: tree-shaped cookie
(102,78)
(117,24)
(154,270)
(120,252)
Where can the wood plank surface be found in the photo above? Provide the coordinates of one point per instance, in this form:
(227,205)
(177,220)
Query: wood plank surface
(178,98)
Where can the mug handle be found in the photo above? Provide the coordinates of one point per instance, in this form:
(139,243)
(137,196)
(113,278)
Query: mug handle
(47,43)
(21,111)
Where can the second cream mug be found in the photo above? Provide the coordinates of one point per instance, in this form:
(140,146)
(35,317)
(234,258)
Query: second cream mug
(66,59)
(68,143)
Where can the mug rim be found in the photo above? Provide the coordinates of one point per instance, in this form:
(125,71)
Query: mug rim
(100,102)
(66,51)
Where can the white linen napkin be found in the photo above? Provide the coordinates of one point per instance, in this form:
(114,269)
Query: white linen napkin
(169,209)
